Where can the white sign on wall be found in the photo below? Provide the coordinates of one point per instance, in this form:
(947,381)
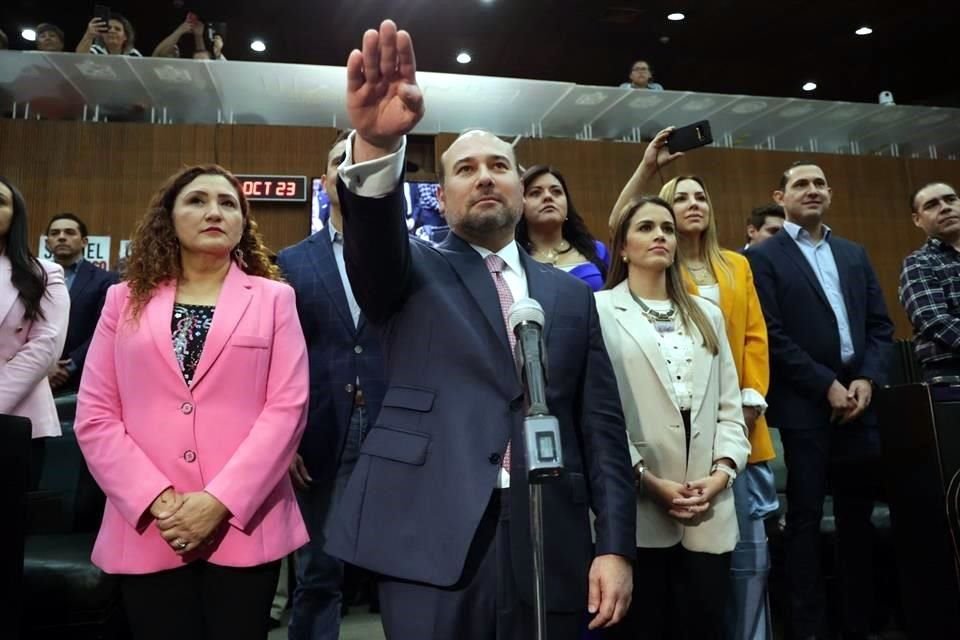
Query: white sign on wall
(97,251)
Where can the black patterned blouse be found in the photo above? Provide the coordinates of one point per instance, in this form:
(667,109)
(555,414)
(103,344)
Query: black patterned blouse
(189,326)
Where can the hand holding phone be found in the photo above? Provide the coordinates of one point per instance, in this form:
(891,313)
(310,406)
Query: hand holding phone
(102,12)
(690,137)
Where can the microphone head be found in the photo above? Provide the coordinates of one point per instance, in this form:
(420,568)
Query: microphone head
(525,310)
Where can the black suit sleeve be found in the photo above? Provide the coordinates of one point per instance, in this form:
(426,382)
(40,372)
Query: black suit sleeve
(376,251)
(605,449)
(79,355)
(793,365)
(879,328)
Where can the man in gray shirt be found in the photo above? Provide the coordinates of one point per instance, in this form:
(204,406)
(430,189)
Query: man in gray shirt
(641,76)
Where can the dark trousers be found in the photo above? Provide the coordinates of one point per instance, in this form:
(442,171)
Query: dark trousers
(677,595)
(38,456)
(845,460)
(201,601)
(317,597)
(483,605)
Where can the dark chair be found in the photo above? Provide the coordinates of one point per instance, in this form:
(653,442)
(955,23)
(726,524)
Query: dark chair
(66,596)
(14,477)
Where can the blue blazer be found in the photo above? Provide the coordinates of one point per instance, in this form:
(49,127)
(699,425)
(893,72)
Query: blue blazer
(338,352)
(429,465)
(87,295)
(802,328)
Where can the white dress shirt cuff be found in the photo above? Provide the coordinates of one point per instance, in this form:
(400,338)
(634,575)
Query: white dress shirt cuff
(373,178)
(752,398)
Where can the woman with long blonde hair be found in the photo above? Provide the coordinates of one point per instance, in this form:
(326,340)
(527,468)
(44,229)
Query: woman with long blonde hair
(681,402)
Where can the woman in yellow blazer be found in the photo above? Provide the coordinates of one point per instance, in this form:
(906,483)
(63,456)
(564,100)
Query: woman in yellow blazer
(725,278)
(681,402)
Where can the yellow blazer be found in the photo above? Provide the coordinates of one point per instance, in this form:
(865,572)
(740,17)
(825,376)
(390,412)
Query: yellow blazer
(747,334)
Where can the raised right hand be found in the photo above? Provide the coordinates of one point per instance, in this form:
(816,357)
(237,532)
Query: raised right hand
(96,28)
(656,154)
(383,100)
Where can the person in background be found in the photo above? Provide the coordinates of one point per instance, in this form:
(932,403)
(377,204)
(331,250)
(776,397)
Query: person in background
(191,406)
(553,232)
(724,277)
(930,280)
(4,41)
(216,45)
(682,405)
(169,47)
(34,308)
(764,222)
(347,387)
(641,77)
(88,284)
(829,335)
(49,37)
(115,37)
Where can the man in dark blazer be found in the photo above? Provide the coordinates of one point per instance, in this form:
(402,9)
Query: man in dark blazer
(88,284)
(346,389)
(438,501)
(829,334)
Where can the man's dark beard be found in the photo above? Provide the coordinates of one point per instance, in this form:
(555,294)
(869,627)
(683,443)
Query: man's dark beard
(492,222)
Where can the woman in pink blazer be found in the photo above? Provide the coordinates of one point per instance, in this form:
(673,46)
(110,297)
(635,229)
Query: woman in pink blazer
(34,308)
(191,406)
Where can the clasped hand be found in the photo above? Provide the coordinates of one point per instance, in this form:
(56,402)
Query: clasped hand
(688,500)
(187,520)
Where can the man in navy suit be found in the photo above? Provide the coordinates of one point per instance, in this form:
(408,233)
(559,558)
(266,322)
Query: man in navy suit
(829,334)
(346,389)
(88,284)
(438,501)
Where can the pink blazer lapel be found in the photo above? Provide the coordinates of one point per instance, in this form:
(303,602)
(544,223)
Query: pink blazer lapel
(235,296)
(8,293)
(159,315)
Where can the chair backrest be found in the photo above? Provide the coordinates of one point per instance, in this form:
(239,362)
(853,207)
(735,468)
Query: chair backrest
(15,444)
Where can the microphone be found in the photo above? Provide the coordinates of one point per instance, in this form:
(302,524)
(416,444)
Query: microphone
(541,431)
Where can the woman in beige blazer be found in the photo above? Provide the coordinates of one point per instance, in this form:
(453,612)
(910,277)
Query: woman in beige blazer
(681,400)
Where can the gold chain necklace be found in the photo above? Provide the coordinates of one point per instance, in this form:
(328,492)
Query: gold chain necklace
(552,255)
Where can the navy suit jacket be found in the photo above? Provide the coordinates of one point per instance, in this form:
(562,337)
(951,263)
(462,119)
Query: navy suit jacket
(338,353)
(87,295)
(429,465)
(802,328)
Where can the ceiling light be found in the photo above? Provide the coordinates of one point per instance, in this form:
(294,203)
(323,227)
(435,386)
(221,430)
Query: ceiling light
(863,31)
(29,34)
(676,17)
(258,45)
(809,86)
(463,57)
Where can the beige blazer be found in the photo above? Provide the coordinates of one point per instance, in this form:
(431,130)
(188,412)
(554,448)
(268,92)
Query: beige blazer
(655,427)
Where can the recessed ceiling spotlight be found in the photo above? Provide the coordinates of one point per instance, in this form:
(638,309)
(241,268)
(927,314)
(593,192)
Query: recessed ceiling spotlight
(863,31)
(809,86)
(464,58)
(29,35)
(676,17)
(258,45)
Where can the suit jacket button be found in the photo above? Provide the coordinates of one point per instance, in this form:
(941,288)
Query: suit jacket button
(348,388)
(189,456)
(186,408)
(358,349)
(494,458)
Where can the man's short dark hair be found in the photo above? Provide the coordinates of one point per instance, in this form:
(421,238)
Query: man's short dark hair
(785,178)
(43,27)
(916,192)
(69,216)
(758,217)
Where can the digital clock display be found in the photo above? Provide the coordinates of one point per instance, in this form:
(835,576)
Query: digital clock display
(274,188)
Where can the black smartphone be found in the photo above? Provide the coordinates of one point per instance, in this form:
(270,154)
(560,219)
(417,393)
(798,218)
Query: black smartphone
(102,12)
(214,29)
(689,137)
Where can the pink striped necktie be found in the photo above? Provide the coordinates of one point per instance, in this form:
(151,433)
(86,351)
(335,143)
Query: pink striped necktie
(496,265)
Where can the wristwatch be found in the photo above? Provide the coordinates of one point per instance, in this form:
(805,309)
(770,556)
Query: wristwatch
(730,471)
(639,470)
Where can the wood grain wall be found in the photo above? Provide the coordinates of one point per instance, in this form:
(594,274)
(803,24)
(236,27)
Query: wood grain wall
(106,173)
